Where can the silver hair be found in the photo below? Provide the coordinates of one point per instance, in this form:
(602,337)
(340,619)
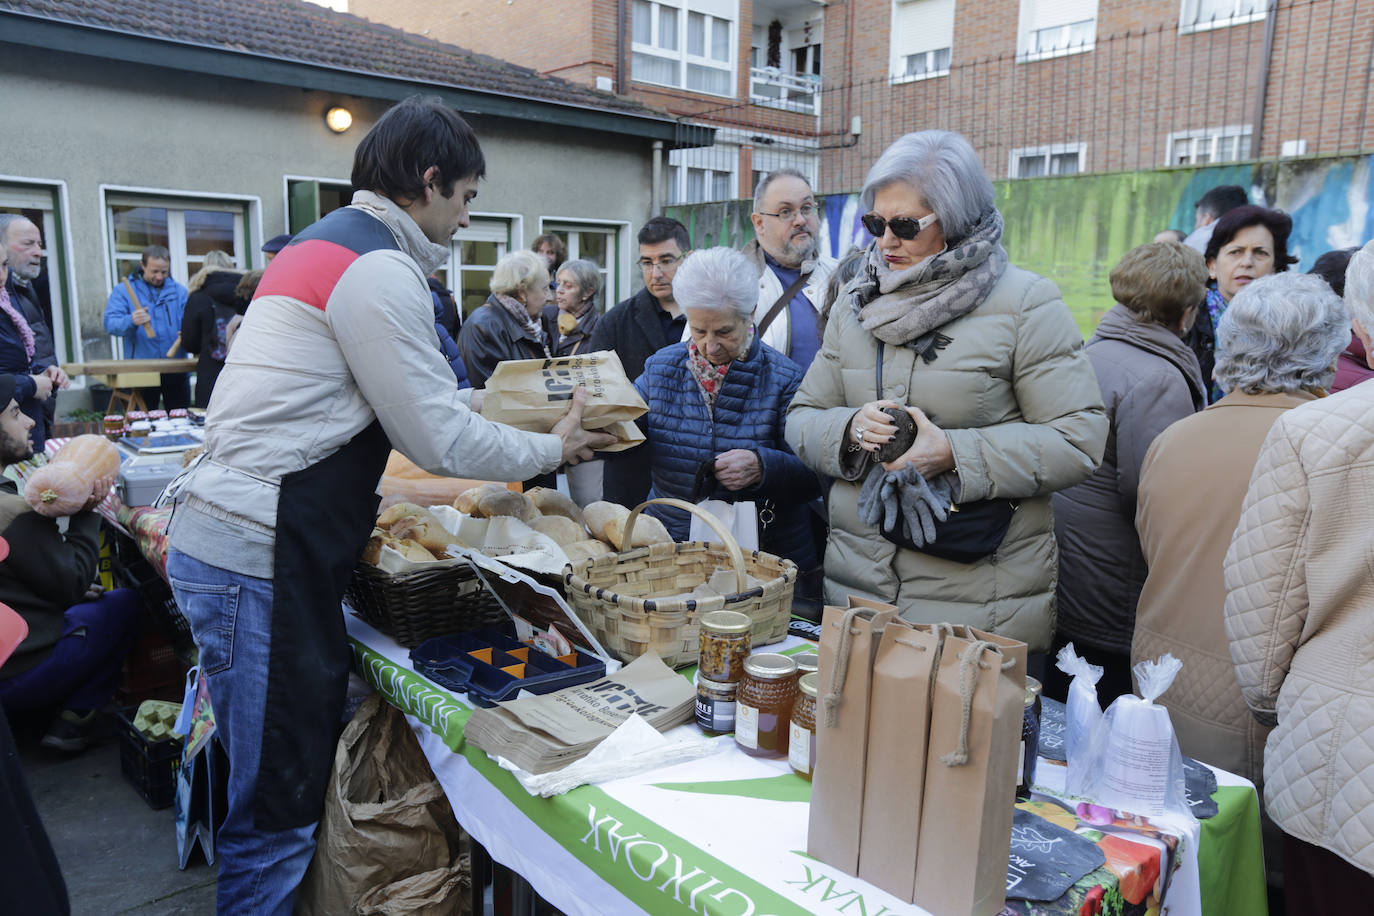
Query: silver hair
(1359,287)
(715,280)
(519,271)
(942,167)
(7,220)
(1281,332)
(585,273)
(762,187)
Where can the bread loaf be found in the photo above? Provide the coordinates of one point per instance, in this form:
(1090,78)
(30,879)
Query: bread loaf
(585,550)
(412,550)
(372,553)
(564,531)
(648,530)
(599,516)
(551,502)
(431,535)
(466,502)
(396,513)
(491,503)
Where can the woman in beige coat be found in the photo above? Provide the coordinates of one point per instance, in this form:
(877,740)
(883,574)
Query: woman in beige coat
(987,362)
(1277,346)
(1299,608)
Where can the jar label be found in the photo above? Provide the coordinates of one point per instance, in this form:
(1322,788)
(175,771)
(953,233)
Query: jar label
(799,748)
(747,726)
(716,715)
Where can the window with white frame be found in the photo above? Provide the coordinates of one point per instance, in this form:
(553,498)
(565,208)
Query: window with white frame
(188,228)
(1056,159)
(1201,15)
(688,44)
(691,181)
(41,206)
(1054,28)
(922,38)
(473,253)
(1209,145)
(308,199)
(599,243)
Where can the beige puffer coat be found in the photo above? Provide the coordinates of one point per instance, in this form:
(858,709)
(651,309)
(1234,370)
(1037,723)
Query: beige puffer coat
(1299,614)
(1019,401)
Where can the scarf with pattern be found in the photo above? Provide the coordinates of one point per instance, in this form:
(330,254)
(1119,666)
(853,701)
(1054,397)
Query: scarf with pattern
(709,376)
(904,308)
(25,332)
(517,310)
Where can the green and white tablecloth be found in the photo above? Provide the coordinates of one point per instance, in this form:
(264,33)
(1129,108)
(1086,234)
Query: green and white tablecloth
(725,834)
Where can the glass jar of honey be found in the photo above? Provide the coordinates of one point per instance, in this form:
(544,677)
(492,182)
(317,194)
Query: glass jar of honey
(725,642)
(763,706)
(801,738)
(807,662)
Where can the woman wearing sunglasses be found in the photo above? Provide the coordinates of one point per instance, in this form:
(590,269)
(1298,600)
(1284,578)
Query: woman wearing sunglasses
(987,364)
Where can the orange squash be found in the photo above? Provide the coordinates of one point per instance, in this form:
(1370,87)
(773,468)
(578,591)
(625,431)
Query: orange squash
(63,485)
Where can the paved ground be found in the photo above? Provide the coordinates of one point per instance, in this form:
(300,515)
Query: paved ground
(118,856)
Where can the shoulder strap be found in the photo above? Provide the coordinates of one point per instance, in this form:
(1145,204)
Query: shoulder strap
(879,371)
(778,306)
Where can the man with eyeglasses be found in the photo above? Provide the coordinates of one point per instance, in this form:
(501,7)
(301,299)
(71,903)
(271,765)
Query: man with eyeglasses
(636,329)
(792,275)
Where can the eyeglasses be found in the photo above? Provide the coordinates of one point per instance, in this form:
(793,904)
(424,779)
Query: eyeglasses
(665,263)
(787,214)
(904,227)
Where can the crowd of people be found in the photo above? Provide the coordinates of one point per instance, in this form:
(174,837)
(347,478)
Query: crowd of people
(918,423)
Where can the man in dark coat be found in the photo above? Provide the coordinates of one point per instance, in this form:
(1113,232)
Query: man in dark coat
(636,329)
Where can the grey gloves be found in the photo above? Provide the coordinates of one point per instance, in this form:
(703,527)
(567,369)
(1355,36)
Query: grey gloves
(890,499)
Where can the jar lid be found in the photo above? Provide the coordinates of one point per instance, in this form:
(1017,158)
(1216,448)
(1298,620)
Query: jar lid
(809,683)
(727,622)
(769,665)
(807,662)
(727,686)
(1033,689)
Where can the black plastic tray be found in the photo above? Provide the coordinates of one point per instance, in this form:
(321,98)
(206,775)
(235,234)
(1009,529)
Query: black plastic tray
(492,666)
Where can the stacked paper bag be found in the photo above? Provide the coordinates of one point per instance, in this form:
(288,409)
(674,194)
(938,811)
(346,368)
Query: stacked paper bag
(543,733)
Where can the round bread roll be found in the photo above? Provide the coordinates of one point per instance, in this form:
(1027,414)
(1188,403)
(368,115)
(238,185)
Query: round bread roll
(648,530)
(492,503)
(599,516)
(563,530)
(412,550)
(585,550)
(394,514)
(551,502)
(466,502)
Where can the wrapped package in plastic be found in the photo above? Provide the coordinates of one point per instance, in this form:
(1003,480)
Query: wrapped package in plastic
(1082,713)
(1135,762)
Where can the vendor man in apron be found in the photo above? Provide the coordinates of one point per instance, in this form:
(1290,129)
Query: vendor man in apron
(335,364)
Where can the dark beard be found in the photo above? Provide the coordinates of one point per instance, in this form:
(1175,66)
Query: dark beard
(13,451)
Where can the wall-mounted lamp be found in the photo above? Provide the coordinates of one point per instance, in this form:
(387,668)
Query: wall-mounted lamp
(338,119)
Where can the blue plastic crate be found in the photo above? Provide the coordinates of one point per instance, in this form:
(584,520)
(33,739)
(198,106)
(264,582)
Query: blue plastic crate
(493,667)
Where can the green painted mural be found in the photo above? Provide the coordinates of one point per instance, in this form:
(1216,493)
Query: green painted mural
(1073,229)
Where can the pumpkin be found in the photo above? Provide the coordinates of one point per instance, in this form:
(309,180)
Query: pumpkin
(63,485)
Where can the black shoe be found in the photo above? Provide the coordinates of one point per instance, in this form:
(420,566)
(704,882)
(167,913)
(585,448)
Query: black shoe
(72,731)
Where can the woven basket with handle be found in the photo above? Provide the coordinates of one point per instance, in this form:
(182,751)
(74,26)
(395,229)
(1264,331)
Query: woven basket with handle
(635,600)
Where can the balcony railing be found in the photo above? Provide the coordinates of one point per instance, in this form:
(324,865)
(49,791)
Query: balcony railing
(794,92)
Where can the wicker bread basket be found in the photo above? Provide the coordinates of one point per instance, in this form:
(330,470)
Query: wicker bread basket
(415,606)
(632,600)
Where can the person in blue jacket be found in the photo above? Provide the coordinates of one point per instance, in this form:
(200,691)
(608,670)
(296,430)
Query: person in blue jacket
(718,407)
(445,311)
(160,304)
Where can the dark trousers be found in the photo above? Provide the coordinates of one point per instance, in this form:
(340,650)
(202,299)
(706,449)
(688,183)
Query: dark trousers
(1316,881)
(82,671)
(29,872)
(174,392)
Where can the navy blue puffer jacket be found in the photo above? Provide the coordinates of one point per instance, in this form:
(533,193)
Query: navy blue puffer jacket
(750,413)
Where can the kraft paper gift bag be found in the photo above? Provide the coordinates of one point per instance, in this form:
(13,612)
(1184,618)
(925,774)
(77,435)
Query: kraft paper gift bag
(898,722)
(970,786)
(534,394)
(849,640)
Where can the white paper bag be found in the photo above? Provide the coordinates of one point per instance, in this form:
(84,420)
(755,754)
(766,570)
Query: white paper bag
(740,519)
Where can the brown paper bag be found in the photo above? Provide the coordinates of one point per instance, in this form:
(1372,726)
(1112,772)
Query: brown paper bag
(970,785)
(849,640)
(534,394)
(899,718)
(386,825)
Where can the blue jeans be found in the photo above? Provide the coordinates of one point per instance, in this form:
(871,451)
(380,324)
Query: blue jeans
(230,616)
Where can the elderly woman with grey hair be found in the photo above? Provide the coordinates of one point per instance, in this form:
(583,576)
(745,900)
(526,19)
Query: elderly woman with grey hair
(507,326)
(1277,346)
(983,363)
(1298,600)
(717,409)
(570,320)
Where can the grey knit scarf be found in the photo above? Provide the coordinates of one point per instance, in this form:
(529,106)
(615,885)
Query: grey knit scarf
(904,308)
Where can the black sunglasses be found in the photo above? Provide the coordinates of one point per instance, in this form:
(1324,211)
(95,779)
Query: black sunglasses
(904,227)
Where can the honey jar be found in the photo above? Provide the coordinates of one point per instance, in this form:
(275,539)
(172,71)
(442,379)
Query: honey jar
(763,706)
(801,738)
(806,663)
(725,640)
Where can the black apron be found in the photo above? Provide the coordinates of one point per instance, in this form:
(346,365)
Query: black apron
(325,514)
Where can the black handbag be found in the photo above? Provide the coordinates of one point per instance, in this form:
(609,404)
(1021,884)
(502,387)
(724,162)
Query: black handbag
(970,532)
